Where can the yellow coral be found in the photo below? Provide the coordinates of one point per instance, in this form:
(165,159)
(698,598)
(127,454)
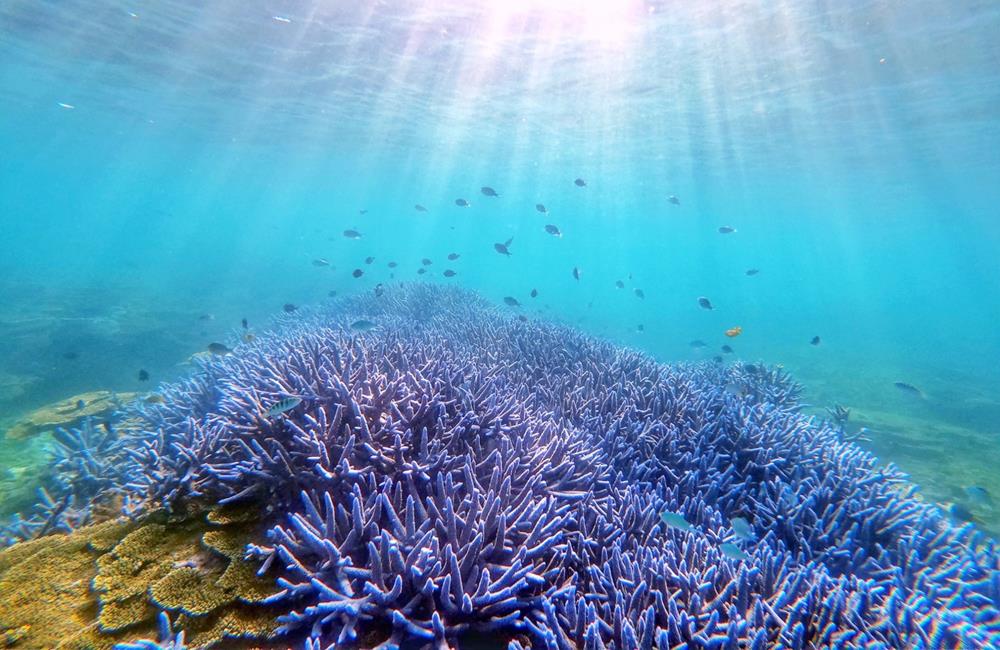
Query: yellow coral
(192,591)
(103,584)
(120,614)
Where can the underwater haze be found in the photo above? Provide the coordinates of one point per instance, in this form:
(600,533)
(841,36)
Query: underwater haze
(213,152)
(168,169)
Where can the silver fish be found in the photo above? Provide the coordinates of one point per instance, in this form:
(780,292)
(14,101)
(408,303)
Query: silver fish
(675,520)
(732,551)
(743,529)
(283,406)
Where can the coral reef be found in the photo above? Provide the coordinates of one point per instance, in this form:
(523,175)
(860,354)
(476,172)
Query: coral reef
(455,471)
(105,583)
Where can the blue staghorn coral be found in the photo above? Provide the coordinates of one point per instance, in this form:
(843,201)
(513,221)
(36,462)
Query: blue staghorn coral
(457,471)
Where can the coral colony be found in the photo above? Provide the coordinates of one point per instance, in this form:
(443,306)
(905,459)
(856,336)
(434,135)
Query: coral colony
(454,472)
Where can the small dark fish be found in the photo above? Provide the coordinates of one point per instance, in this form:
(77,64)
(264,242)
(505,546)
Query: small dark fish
(155,398)
(319,261)
(725,230)
(753,271)
(218,348)
(580,182)
(421,271)
(453,256)
(419,208)
(511,302)
(369,259)
(619,284)
(289,307)
(534,293)
(553,230)
(357,273)
(332,293)
(144,374)
(362,211)
(283,406)
(727,349)
(245,324)
(426,262)
(814,341)
(392,265)
(71,355)
(698,343)
(522,318)
(751,369)
(352,234)
(80,404)
(206,317)
(462,203)
(541,208)
(961,513)
(908,388)
(379,290)
(704,303)
(978,495)
(673,199)
(576,273)
(639,293)
(448,273)
(489,191)
(717,358)
(504,248)
(362,325)
(640,327)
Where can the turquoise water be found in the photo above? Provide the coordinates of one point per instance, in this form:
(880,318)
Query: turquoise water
(166,162)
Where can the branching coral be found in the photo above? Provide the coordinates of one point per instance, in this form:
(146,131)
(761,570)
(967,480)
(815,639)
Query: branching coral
(455,471)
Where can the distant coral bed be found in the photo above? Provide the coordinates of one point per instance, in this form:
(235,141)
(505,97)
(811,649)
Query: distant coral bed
(456,476)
